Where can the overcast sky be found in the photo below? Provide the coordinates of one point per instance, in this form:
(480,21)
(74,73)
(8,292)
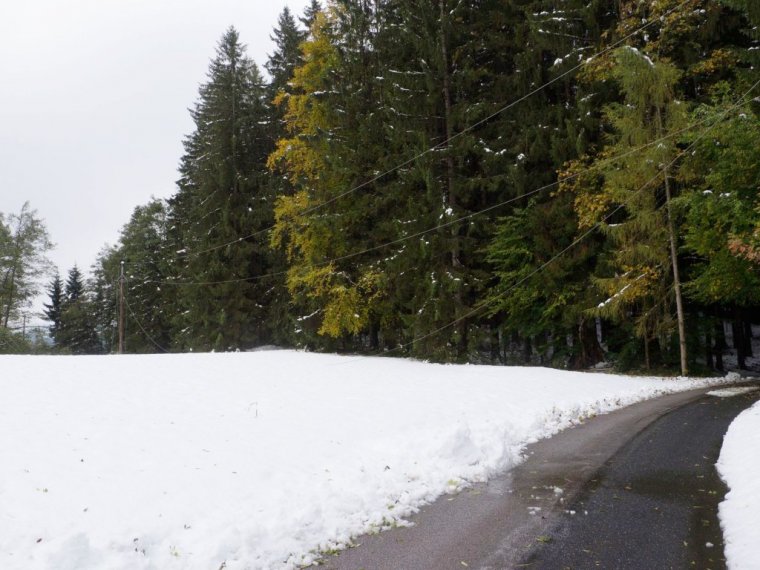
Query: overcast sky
(93,104)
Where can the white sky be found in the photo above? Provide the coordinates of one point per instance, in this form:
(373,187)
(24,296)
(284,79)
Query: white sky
(93,104)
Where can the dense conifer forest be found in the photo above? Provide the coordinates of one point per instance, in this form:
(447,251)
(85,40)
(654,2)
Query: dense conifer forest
(555,182)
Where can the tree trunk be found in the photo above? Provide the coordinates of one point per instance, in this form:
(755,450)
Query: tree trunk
(449,196)
(494,343)
(748,338)
(647,358)
(374,336)
(737,328)
(11,291)
(527,350)
(8,303)
(708,343)
(720,343)
(590,351)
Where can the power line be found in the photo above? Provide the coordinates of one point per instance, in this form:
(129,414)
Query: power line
(583,236)
(139,325)
(484,304)
(444,143)
(471,215)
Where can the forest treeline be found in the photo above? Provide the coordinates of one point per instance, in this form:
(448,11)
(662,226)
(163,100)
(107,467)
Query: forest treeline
(562,182)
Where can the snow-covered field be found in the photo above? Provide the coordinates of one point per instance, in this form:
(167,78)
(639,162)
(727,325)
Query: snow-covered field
(257,460)
(739,466)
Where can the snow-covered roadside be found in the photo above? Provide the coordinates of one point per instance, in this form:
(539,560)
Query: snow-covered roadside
(257,460)
(739,465)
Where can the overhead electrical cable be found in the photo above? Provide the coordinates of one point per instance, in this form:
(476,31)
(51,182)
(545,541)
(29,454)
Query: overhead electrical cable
(446,141)
(485,304)
(469,216)
(583,236)
(139,325)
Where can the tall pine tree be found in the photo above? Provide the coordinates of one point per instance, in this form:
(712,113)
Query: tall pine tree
(224,198)
(77,333)
(54,310)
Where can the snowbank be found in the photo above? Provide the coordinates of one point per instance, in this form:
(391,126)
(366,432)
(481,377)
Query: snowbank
(739,465)
(257,460)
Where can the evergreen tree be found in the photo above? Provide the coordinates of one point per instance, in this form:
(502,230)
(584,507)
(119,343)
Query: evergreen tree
(542,313)
(224,198)
(310,14)
(54,310)
(14,342)
(421,125)
(702,41)
(286,56)
(749,49)
(412,74)
(74,285)
(142,247)
(464,65)
(104,287)
(77,332)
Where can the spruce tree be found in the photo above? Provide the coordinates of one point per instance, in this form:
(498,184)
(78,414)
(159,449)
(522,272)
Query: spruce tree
(104,287)
(54,310)
(420,78)
(287,38)
(496,53)
(143,247)
(310,14)
(74,285)
(77,333)
(224,198)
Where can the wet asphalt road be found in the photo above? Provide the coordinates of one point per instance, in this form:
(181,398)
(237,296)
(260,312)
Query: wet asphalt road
(654,504)
(644,474)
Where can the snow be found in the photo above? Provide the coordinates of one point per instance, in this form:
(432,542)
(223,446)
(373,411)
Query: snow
(257,460)
(738,465)
(620,292)
(731,392)
(641,55)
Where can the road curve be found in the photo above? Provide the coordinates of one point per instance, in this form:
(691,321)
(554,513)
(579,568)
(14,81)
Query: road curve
(534,515)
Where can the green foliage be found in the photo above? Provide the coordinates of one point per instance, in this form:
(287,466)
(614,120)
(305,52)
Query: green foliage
(221,208)
(15,342)
(638,278)
(24,242)
(143,247)
(287,54)
(427,177)
(77,332)
(722,210)
(54,309)
(313,224)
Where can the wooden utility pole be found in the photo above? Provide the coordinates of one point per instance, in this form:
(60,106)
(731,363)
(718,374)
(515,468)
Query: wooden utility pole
(120,349)
(676,282)
(674,261)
